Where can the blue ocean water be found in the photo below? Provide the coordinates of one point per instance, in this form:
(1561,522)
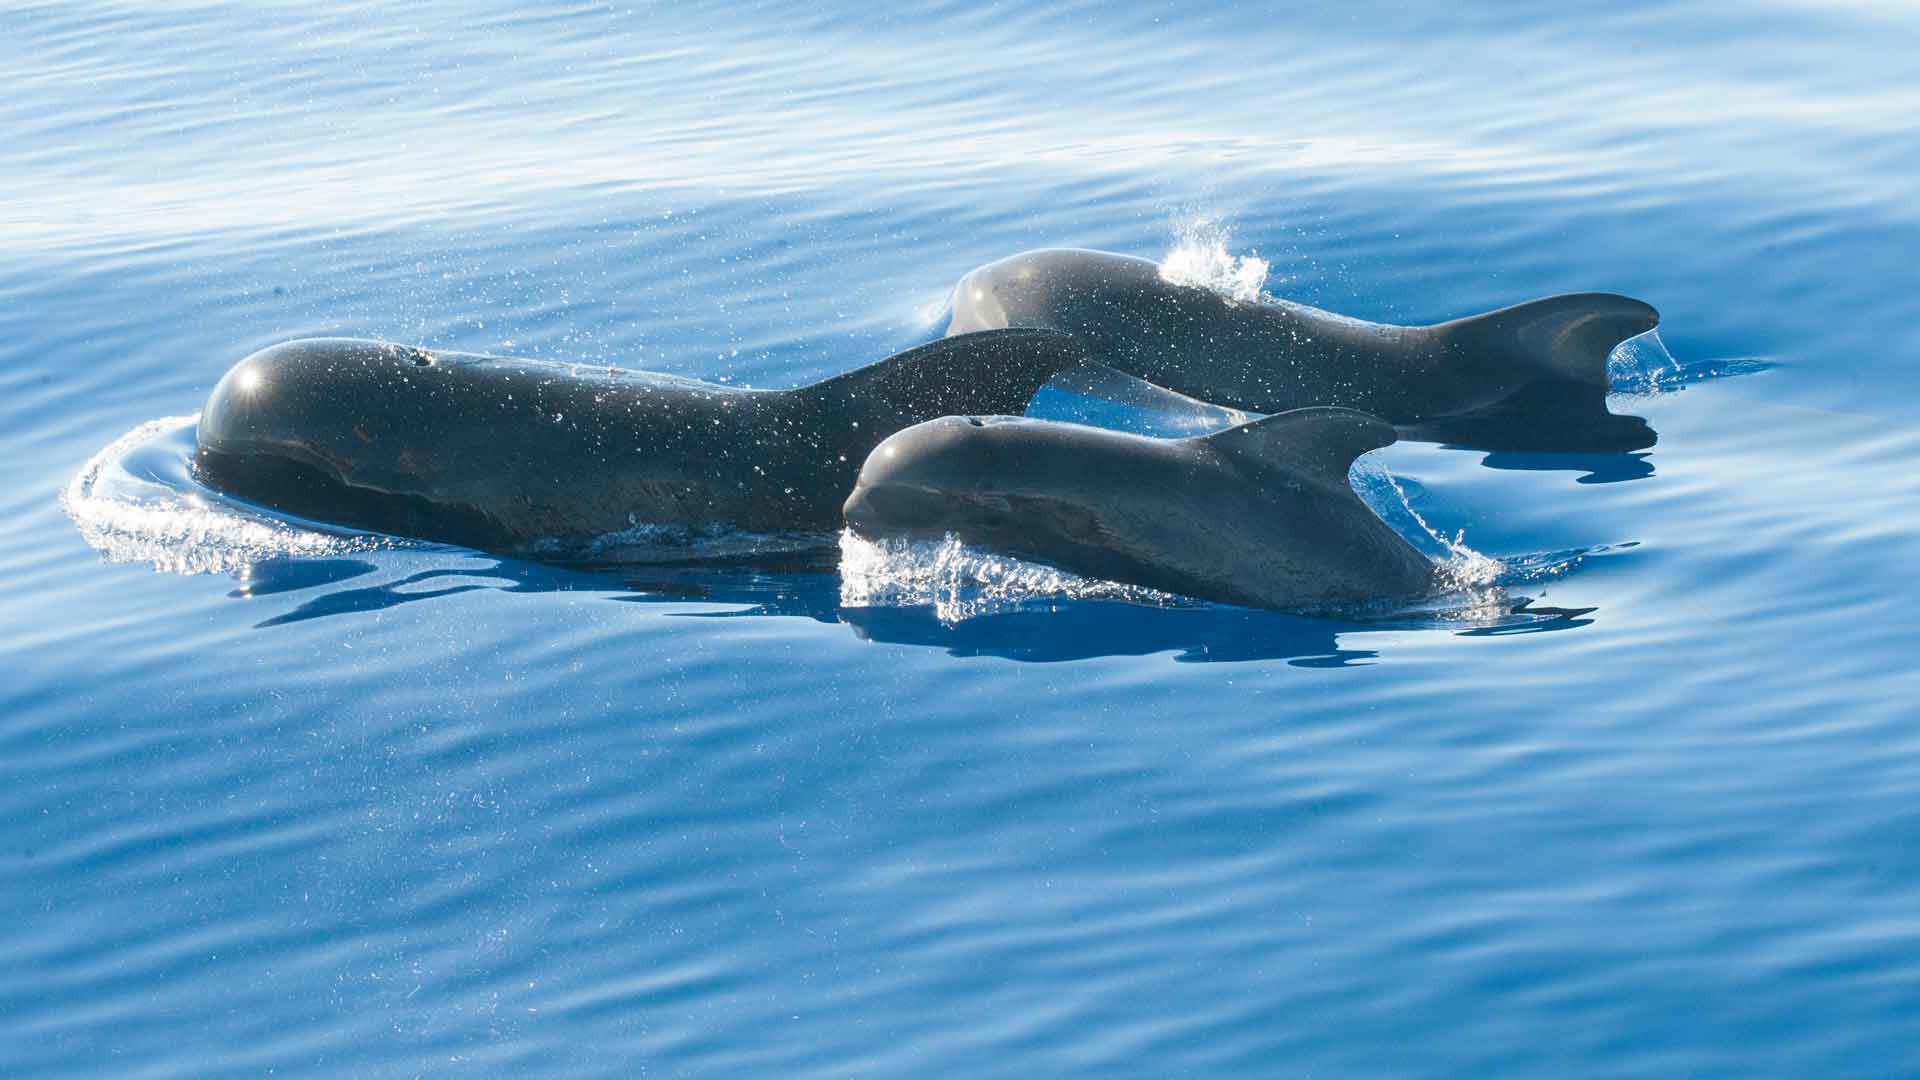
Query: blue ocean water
(274,800)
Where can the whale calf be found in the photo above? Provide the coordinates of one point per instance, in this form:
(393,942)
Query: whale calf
(1259,515)
(506,455)
(1528,377)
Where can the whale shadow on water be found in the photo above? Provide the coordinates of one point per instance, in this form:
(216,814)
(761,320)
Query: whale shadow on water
(1053,629)
(1096,629)
(1042,629)
(291,575)
(1599,468)
(285,575)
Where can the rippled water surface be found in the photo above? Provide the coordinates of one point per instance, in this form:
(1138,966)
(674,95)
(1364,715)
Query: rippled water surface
(1641,800)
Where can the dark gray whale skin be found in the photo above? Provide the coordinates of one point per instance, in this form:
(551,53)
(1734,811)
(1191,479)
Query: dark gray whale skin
(1528,377)
(504,454)
(1260,515)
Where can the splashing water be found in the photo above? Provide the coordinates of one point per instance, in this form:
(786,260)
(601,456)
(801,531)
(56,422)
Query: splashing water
(1644,365)
(1199,257)
(136,501)
(1461,567)
(1641,364)
(960,581)
(1474,587)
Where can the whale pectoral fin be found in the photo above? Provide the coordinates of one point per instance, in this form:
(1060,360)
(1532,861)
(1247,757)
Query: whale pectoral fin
(1564,337)
(989,372)
(1321,441)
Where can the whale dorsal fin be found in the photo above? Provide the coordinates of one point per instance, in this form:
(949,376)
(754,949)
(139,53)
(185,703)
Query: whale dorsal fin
(1568,337)
(1320,442)
(992,371)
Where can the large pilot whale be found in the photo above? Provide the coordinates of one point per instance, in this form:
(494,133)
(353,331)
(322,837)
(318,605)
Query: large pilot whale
(1259,515)
(504,454)
(1528,377)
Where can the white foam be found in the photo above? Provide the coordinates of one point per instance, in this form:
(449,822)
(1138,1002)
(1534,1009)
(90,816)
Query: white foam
(960,581)
(164,519)
(1200,258)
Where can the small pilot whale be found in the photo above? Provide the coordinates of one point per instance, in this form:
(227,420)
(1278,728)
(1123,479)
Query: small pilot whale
(1259,515)
(503,454)
(1528,377)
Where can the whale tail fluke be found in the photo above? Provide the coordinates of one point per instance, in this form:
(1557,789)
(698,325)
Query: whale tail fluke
(989,372)
(1321,441)
(1561,337)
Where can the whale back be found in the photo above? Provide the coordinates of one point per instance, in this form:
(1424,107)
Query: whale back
(992,371)
(1531,376)
(502,454)
(1566,337)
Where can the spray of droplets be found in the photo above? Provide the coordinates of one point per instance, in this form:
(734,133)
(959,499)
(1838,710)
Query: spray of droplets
(1200,258)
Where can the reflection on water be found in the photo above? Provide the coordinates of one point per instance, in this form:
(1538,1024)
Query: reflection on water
(1096,628)
(283,574)
(1598,468)
(424,585)
(1033,628)
(1550,418)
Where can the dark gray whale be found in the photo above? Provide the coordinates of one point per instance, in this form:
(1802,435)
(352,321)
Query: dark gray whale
(1260,515)
(504,454)
(1528,377)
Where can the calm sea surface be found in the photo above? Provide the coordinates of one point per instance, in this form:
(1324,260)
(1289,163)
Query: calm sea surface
(277,800)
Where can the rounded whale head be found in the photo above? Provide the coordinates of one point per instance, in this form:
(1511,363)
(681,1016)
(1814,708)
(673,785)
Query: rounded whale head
(360,433)
(917,482)
(280,389)
(1011,482)
(1066,288)
(316,402)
